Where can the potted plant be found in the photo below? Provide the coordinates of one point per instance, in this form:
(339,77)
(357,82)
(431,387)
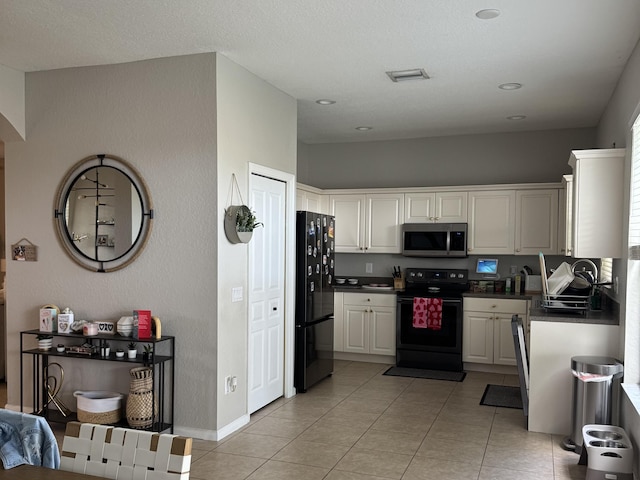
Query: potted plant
(119,353)
(45,341)
(147,354)
(239,223)
(132,351)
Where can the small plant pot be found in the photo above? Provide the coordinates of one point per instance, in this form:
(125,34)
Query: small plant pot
(60,348)
(119,353)
(234,235)
(132,354)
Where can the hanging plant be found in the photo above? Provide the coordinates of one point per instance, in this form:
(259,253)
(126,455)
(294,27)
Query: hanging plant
(239,223)
(246,220)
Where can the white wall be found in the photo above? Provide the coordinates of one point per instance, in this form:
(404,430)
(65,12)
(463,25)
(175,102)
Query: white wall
(258,124)
(186,127)
(522,157)
(615,128)
(12,116)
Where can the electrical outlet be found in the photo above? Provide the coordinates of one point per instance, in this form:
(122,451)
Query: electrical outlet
(514,269)
(230,384)
(368,267)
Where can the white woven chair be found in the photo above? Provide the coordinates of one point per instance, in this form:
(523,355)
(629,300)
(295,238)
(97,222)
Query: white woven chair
(124,453)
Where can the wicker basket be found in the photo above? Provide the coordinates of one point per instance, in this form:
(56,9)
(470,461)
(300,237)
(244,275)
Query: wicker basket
(101,418)
(98,407)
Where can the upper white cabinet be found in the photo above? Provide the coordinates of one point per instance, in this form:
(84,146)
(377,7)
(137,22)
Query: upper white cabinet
(536,222)
(368,223)
(565,219)
(431,207)
(491,222)
(311,201)
(598,195)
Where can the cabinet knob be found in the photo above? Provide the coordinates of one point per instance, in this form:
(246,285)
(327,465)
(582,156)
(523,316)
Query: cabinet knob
(517,249)
(493,306)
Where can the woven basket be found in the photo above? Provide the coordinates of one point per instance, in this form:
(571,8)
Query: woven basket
(101,418)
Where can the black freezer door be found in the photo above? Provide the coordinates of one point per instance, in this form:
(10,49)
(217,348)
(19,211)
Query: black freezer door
(314,353)
(315,266)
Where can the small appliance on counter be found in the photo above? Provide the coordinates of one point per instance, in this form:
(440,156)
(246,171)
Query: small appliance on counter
(315,267)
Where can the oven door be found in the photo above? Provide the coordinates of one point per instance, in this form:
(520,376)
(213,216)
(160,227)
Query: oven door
(447,339)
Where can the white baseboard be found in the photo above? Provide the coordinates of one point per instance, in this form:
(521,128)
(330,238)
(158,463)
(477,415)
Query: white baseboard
(214,435)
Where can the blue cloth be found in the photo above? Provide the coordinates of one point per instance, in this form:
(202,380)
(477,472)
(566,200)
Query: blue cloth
(27,439)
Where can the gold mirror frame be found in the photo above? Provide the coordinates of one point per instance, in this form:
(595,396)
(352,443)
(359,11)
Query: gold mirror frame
(68,238)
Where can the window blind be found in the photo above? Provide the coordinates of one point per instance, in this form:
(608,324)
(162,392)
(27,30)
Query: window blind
(634,206)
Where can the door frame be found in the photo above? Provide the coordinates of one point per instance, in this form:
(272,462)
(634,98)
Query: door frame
(289,268)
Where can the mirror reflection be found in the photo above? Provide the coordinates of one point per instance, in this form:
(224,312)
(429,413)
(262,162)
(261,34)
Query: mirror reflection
(103,213)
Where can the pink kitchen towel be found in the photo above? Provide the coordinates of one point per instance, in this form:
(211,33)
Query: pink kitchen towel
(427,313)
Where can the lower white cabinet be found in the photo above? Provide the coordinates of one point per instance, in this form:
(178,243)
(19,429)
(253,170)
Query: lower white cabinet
(366,323)
(486,331)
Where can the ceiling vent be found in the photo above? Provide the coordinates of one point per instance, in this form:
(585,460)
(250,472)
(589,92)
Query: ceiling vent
(403,75)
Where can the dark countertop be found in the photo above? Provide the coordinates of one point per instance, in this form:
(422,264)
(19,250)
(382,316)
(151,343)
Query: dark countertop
(601,317)
(363,289)
(504,296)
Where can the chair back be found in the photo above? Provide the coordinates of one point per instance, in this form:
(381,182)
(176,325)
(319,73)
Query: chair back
(124,453)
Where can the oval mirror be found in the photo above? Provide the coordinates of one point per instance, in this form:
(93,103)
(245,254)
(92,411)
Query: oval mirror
(103,213)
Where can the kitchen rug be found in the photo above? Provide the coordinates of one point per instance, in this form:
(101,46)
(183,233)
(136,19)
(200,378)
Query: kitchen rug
(502,396)
(421,373)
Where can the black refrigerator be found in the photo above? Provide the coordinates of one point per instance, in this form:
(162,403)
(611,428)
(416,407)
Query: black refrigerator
(315,266)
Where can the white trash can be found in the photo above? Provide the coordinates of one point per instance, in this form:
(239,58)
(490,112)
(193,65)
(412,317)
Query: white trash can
(609,453)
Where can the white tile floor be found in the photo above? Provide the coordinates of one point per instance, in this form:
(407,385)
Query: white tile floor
(359,424)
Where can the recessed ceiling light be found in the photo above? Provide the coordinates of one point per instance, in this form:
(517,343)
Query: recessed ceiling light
(510,86)
(402,75)
(516,117)
(325,101)
(488,13)
(364,129)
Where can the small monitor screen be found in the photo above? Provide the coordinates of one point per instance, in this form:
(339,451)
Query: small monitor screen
(487,266)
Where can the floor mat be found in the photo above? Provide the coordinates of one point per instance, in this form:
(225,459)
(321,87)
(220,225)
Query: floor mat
(430,374)
(502,396)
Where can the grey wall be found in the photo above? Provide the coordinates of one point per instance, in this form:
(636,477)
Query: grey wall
(164,117)
(522,157)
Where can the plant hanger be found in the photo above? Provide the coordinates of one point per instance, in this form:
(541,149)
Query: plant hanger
(239,220)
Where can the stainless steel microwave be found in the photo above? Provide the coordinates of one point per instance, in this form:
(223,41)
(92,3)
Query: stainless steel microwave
(434,240)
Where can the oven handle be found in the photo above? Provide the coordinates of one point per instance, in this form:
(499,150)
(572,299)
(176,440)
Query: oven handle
(445,300)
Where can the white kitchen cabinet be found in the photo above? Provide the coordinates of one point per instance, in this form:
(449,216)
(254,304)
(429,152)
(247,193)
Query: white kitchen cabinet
(553,344)
(432,207)
(565,219)
(491,222)
(598,202)
(311,201)
(486,332)
(368,223)
(369,323)
(536,226)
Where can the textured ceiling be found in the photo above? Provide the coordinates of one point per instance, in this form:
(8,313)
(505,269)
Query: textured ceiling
(568,54)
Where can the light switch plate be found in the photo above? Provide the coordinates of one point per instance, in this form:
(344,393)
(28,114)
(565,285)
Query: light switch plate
(236,294)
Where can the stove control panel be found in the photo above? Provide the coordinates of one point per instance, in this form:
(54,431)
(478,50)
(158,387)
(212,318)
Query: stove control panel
(436,276)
